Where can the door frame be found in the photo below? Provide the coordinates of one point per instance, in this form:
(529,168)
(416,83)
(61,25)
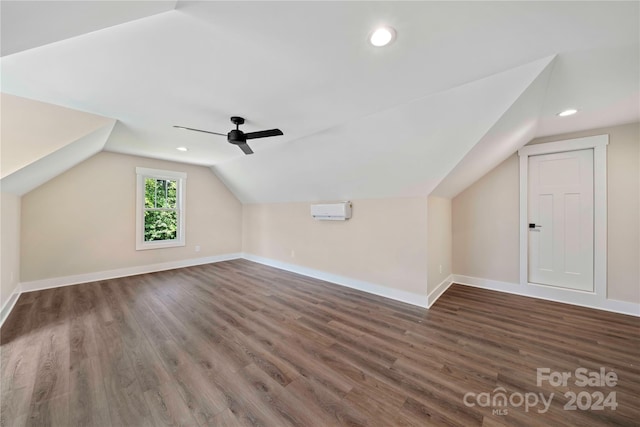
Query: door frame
(599,145)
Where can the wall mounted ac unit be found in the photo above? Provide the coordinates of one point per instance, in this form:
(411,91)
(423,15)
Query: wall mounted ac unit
(332,211)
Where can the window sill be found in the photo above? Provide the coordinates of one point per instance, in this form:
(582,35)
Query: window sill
(143,246)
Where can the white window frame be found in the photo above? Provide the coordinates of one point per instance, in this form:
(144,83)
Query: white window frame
(180,178)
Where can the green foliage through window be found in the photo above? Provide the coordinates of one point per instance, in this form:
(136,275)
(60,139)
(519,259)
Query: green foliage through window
(160,209)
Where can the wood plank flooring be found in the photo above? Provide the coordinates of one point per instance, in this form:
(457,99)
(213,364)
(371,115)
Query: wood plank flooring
(240,344)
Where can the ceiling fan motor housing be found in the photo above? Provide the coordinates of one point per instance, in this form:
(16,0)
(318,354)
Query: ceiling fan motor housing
(236,136)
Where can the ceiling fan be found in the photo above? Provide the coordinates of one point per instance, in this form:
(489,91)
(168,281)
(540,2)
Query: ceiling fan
(237,137)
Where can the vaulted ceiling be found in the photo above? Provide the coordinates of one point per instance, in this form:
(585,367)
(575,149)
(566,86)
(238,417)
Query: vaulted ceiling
(463,86)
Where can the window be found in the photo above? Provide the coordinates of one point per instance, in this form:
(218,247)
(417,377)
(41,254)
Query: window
(159,208)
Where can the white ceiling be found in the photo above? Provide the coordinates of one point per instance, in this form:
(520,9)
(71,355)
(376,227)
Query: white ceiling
(29,24)
(358,121)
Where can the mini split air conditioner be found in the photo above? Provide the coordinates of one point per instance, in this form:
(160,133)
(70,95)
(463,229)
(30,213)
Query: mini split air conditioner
(332,211)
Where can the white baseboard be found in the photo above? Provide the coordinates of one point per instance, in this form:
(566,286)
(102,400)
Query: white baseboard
(439,290)
(9,304)
(372,288)
(567,296)
(55,282)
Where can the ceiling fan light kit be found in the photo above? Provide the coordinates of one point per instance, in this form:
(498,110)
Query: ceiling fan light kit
(238,137)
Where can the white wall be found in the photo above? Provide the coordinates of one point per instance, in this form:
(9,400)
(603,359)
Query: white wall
(83,221)
(485,217)
(10,248)
(385,243)
(485,226)
(439,243)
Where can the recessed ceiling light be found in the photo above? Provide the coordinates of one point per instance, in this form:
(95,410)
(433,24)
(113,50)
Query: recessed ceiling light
(182,149)
(382,36)
(568,112)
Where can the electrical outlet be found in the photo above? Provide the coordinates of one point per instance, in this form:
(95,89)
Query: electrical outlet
(440,268)
(197,248)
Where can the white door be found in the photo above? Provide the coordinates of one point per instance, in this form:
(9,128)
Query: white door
(561,219)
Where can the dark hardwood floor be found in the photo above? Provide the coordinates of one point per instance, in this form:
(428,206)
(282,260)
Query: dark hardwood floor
(238,343)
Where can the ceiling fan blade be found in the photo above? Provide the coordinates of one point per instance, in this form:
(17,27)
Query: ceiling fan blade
(200,130)
(245,148)
(263,133)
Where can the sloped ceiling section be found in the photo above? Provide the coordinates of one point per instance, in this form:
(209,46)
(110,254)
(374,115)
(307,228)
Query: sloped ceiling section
(403,151)
(29,24)
(513,130)
(603,83)
(40,141)
(32,130)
